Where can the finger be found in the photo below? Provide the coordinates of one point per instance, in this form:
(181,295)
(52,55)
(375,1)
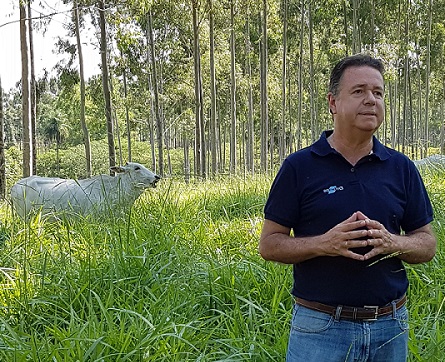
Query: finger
(372,253)
(374,224)
(352,244)
(350,254)
(381,245)
(350,224)
(361,216)
(357,234)
(375,242)
(350,219)
(381,236)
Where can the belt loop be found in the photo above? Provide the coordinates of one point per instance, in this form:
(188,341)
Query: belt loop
(338,312)
(394,309)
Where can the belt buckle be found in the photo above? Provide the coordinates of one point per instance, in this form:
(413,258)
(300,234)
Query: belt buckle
(376,312)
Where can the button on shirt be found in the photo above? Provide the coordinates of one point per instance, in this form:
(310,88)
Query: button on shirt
(316,188)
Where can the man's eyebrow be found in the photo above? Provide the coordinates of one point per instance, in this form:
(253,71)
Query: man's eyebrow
(364,85)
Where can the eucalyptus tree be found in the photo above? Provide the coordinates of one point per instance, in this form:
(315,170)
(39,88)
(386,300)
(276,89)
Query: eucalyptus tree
(284,83)
(26,111)
(32,89)
(86,134)
(263,86)
(250,144)
(156,106)
(250,137)
(127,111)
(106,83)
(300,74)
(233,133)
(200,139)
(428,71)
(314,113)
(213,105)
(2,147)
(356,33)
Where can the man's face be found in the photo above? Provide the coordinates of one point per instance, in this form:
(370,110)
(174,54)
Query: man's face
(359,102)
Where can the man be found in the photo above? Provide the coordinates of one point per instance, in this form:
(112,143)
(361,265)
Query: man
(356,210)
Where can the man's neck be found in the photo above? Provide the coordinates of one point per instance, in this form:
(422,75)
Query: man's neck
(352,151)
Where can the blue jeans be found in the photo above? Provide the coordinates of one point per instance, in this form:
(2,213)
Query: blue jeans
(319,337)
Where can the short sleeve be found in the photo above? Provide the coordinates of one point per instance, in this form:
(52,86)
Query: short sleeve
(418,211)
(283,202)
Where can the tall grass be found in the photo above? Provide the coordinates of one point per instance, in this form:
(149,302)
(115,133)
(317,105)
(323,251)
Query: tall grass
(179,279)
(427,283)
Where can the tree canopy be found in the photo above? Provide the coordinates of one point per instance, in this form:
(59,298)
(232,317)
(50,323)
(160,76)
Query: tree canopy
(236,83)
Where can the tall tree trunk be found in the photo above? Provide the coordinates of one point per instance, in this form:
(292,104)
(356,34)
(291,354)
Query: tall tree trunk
(393,110)
(402,141)
(151,114)
(200,149)
(2,147)
(300,76)
(291,122)
(233,158)
(442,117)
(250,160)
(127,114)
(427,78)
(115,120)
(151,125)
(32,93)
(85,132)
(264,93)
(372,35)
(442,112)
(313,95)
(282,128)
(186,157)
(26,111)
(410,115)
(157,111)
(405,102)
(355,27)
(345,27)
(106,85)
(213,131)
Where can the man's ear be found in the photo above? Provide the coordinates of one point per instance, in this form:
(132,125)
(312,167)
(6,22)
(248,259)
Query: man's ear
(331,103)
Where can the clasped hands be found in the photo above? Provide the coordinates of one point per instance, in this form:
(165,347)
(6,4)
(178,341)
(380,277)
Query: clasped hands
(359,231)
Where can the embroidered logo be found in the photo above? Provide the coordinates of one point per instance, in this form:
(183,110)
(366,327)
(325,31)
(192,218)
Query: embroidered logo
(333,189)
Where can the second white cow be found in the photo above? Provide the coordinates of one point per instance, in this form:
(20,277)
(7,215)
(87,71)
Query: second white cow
(93,196)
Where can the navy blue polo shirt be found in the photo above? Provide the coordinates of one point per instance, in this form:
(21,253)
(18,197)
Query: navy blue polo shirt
(316,188)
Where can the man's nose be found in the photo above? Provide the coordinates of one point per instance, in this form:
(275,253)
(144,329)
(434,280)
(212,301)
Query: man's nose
(369,97)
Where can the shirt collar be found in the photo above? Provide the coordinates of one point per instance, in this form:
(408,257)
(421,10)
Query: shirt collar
(322,147)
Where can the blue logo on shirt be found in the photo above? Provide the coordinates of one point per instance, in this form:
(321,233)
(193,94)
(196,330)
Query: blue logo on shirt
(333,189)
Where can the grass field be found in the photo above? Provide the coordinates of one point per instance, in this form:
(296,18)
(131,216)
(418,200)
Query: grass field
(180,279)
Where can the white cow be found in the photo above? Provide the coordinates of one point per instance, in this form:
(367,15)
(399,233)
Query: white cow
(93,196)
(435,162)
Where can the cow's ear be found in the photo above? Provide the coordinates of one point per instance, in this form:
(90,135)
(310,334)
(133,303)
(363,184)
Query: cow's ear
(117,169)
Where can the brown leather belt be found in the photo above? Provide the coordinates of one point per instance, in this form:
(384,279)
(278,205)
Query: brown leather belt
(366,313)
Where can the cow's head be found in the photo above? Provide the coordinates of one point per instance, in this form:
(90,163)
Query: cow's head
(140,175)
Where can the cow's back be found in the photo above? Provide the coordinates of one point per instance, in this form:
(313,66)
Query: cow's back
(46,194)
